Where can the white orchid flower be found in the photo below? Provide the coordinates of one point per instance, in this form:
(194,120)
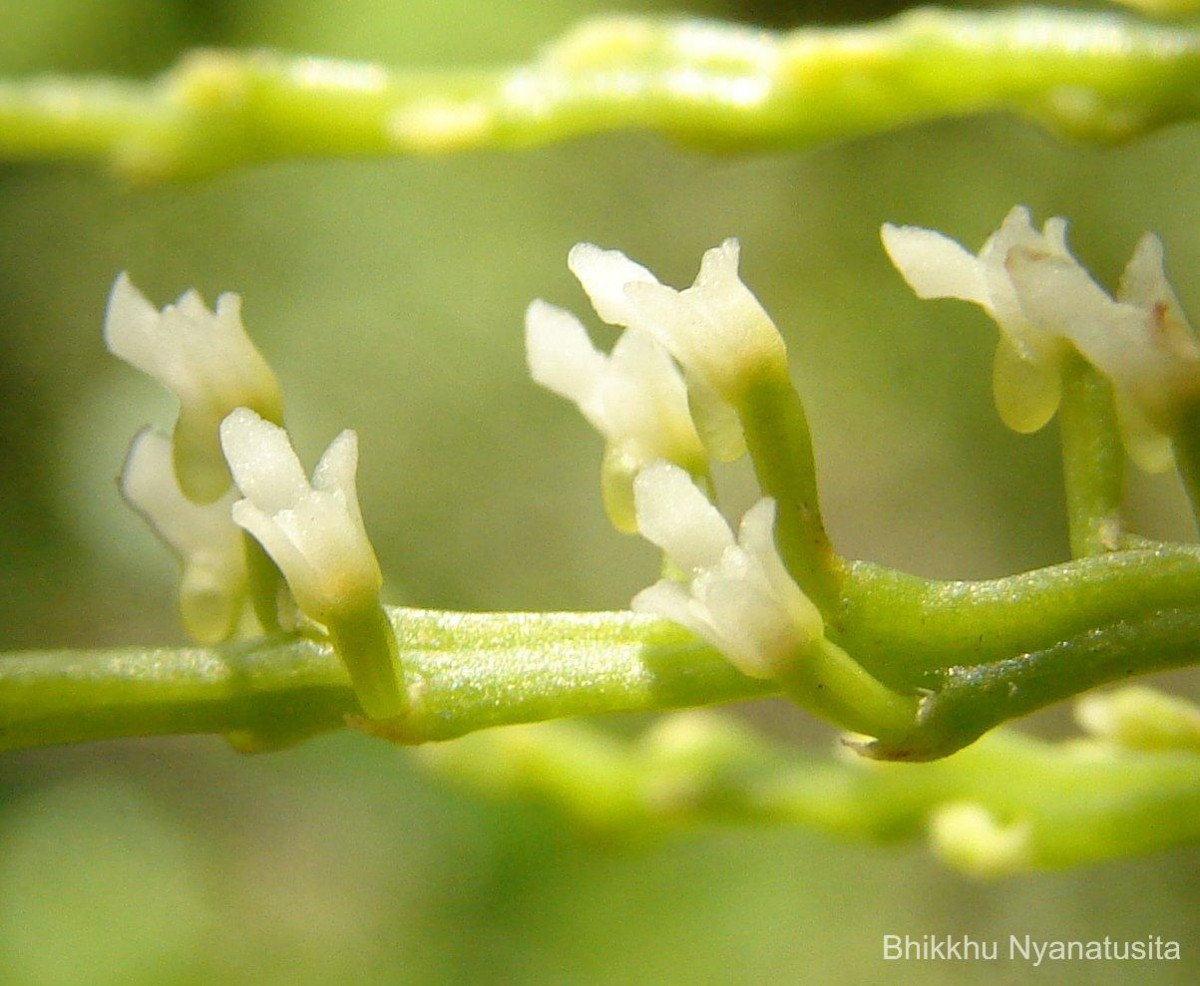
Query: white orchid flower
(635,398)
(1027,379)
(315,534)
(716,329)
(737,594)
(1140,340)
(209,362)
(1044,303)
(207,542)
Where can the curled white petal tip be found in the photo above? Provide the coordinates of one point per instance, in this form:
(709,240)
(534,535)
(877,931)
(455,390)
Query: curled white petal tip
(737,594)
(206,359)
(203,537)
(314,532)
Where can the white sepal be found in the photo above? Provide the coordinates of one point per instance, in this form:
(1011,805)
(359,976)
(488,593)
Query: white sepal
(207,542)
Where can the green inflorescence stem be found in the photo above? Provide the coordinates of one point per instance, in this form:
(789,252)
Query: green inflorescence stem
(986,651)
(1095,76)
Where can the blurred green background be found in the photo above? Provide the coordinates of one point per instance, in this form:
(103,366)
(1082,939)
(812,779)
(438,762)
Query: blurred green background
(389,297)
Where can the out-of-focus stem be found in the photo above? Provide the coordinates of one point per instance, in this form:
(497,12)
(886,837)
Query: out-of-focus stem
(725,87)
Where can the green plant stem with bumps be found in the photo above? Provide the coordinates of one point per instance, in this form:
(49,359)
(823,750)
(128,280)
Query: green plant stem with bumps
(719,87)
(987,651)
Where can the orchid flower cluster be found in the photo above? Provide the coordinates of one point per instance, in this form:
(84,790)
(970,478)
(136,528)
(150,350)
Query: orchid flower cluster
(230,468)
(666,401)
(685,376)
(681,381)
(697,376)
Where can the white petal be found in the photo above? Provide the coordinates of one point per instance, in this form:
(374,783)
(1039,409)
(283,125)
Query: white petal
(934,265)
(1061,298)
(671,601)
(658,309)
(673,514)
(335,550)
(719,266)
(1144,284)
(742,334)
(604,275)
(263,463)
(191,306)
(758,634)
(203,537)
(645,401)
(1144,281)
(266,530)
(562,358)
(756,536)
(1054,232)
(148,485)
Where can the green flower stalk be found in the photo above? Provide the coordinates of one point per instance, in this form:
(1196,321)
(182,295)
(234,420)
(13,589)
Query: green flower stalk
(923,668)
(734,363)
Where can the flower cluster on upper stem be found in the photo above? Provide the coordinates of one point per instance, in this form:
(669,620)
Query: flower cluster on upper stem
(1045,304)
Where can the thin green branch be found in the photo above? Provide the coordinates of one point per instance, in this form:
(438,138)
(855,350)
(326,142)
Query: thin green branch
(986,651)
(1047,805)
(463,672)
(1095,76)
